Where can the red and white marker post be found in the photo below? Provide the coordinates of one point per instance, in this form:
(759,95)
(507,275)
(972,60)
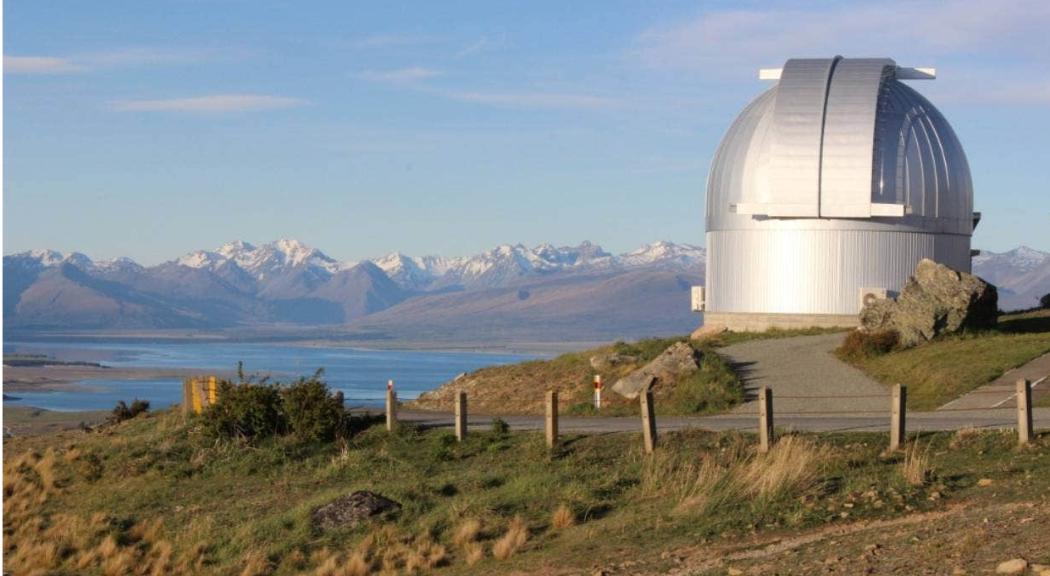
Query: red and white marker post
(597,391)
(391,406)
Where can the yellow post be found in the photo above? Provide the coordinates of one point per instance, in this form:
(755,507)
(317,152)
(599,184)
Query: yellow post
(195,390)
(213,390)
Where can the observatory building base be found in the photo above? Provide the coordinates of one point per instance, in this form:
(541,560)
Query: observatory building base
(760,322)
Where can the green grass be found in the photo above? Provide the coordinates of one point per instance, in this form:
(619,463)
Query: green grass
(518,388)
(221,506)
(940,371)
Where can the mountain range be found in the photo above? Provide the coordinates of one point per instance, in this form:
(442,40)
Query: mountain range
(510,293)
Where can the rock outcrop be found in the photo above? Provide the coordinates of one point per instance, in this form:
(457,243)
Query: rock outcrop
(351,510)
(680,359)
(936,300)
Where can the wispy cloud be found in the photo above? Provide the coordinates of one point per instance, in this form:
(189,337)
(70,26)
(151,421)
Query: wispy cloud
(390,40)
(714,40)
(216,103)
(483,44)
(127,57)
(400,75)
(548,100)
(39,65)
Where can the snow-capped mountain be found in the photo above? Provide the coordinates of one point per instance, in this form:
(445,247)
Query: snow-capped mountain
(288,282)
(1022,275)
(509,262)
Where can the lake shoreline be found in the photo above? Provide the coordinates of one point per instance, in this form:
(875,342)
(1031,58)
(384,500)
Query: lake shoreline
(68,378)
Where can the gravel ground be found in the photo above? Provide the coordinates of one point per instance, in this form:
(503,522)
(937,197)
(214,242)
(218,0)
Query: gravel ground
(805,377)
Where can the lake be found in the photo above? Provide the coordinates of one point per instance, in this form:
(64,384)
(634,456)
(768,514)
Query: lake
(361,375)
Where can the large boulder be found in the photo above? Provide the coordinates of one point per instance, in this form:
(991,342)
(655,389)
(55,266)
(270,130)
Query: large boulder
(936,300)
(350,510)
(680,359)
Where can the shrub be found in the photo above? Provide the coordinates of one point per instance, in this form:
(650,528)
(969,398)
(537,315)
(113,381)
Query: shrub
(245,410)
(862,344)
(500,426)
(313,411)
(1044,302)
(122,411)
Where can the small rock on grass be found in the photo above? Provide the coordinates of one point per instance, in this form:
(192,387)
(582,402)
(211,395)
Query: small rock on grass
(735,572)
(1013,566)
(984,482)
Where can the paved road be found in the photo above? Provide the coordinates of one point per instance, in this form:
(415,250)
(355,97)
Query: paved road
(805,376)
(917,421)
(1002,392)
(812,391)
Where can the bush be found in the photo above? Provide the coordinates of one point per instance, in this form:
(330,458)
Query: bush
(122,411)
(1044,302)
(500,426)
(245,410)
(861,344)
(313,411)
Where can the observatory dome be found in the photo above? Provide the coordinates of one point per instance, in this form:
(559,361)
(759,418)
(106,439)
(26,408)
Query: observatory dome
(828,188)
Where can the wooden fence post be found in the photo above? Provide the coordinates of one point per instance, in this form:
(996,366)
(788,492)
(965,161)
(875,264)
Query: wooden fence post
(461,415)
(898,416)
(1024,411)
(648,420)
(187,396)
(552,418)
(765,419)
(391,406)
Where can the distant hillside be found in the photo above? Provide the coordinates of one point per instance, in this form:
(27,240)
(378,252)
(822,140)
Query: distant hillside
(1022,275)
(511,292)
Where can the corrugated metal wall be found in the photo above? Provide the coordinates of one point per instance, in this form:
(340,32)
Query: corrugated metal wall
(807,271)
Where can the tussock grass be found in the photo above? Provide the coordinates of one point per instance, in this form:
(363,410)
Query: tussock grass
(915,467)
(792,464)
(514,538)
(165,499)
(562,518)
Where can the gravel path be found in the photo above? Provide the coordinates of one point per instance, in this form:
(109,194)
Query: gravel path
(805,376)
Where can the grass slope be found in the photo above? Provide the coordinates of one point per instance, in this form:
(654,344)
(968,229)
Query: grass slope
(941,371)
(152,496)
(519,388)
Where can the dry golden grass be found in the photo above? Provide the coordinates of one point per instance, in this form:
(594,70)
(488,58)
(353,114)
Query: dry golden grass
(514,538)
(473,552)
(792,464)
(466,532)
(562,518)
(915,467)
(963,436)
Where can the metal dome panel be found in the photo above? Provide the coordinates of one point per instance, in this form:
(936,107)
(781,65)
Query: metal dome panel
(836,179)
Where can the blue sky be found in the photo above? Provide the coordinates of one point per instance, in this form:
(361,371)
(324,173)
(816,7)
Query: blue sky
(149,129)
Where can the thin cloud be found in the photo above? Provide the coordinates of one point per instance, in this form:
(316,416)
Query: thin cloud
(391,40)
(548,100)
(96,60)
(217,103)
(483,44)
(715,40)
(399,76)
(39,65)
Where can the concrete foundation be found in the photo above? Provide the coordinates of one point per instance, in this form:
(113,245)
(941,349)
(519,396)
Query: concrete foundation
(756,322)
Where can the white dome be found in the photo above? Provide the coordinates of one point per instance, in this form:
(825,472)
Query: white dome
(841,138)
(836,180)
